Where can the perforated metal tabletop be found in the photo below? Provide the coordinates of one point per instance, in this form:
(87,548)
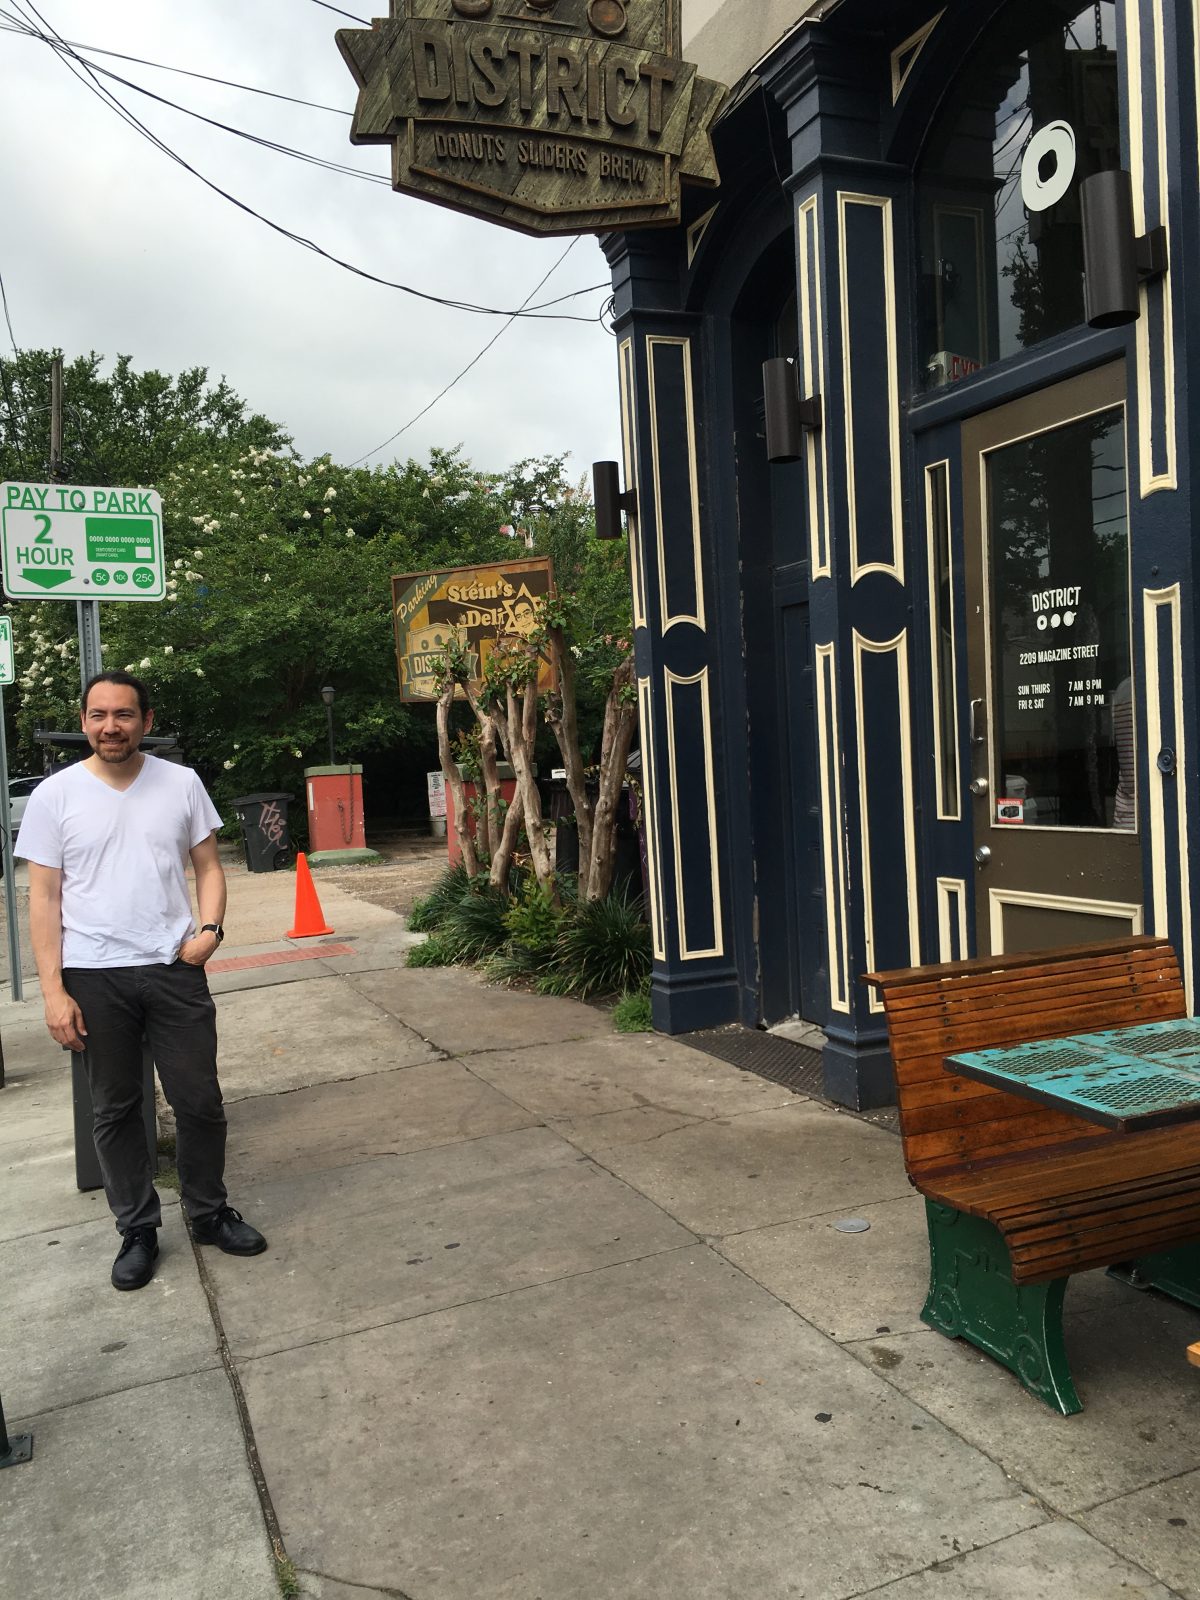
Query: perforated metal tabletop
(1140,1077)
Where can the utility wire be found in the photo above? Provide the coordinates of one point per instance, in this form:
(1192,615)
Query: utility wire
(92,83)
(225,127)
(7,318)
(8,399)
(341,13)
(162,66)
(503,329)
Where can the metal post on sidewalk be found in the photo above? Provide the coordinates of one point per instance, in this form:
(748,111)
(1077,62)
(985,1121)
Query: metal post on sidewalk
(16,1447)
(10,886)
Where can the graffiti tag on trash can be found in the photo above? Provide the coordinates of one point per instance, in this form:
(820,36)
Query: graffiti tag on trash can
(272,822)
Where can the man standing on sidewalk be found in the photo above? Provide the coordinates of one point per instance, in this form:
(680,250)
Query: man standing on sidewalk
(118,956)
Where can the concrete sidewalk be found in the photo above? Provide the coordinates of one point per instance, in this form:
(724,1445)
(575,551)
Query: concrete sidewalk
(548,1314)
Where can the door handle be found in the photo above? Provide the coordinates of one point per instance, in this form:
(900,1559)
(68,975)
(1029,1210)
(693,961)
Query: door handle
(983,855)
(978,724)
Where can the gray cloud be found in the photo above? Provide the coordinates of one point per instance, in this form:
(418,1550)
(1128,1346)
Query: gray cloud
(108,245)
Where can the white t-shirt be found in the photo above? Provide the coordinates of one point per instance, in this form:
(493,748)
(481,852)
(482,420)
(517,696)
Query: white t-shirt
(123,855)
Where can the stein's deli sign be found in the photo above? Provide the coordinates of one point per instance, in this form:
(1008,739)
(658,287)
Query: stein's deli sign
(551,116)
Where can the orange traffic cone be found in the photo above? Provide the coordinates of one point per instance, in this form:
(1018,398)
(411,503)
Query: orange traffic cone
(310,919)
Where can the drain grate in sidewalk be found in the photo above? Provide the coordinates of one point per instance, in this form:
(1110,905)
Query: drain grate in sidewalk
(783,1061)
(796,1066)
(279,958)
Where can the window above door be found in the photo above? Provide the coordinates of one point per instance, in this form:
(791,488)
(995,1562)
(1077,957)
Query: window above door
(1034,111)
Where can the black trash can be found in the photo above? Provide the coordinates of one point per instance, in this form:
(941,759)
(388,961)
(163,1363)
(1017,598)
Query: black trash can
(265,836)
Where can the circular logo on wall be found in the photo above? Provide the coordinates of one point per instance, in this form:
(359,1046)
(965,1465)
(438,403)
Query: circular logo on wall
(1048,166)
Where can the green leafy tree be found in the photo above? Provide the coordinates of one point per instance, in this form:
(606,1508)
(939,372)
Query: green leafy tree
(279,570)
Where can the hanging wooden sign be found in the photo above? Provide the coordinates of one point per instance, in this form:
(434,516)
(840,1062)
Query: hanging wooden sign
(550,116)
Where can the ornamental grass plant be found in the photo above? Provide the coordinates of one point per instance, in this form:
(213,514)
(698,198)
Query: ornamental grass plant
(585,949)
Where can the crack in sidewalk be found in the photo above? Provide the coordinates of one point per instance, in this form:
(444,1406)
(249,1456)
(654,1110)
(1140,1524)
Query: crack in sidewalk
(253,1461)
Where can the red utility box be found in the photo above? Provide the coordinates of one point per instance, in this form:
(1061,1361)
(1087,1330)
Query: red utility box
(336,827)
(508,788)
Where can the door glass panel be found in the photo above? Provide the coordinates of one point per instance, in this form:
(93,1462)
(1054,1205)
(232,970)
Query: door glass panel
(1062,701)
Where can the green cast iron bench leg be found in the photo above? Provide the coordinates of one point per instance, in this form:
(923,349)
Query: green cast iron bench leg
(972,1296)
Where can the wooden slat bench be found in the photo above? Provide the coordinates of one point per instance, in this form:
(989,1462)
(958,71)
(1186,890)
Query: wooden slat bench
(1018,1196)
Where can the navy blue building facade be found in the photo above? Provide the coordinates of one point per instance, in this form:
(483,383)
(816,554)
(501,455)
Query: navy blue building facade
(928,691)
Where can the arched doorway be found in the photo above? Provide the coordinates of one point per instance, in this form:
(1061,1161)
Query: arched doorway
(777,654)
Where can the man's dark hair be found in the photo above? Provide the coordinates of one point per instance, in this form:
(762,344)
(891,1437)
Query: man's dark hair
(127,681)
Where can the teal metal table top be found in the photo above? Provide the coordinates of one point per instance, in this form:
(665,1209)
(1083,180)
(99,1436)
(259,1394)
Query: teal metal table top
(1145,1076)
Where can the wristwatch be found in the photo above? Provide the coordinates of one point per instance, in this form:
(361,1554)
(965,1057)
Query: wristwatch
(214,927)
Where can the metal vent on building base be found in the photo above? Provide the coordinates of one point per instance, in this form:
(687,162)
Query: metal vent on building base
(795,1066)
(783,1061)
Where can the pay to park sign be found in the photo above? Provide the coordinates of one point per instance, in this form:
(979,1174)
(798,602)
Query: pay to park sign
(58,540)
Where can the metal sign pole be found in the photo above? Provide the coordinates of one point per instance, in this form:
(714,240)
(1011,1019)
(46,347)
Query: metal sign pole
(10,887)
(89,640)
(15,1448)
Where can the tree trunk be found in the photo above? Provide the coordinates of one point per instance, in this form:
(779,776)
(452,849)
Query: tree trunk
(620,719)
(487,814)
(454,783)
(503,854)
(565,724)
(493,817)
(522,731)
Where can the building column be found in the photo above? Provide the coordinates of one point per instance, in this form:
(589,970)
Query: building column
(851,234)
(1161,84)
(695,980)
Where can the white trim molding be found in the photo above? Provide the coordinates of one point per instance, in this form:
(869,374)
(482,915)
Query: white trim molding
(897,647)
(628,396)
(910,48)
(1170,673)
(658,932)
(952,919)
(684,345)
(1151,402)
(1117,910)
(833,843)
(812,374)
(883,204)
(945,762)
(673,681)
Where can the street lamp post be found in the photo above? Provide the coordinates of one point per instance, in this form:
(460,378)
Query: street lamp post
(327,694)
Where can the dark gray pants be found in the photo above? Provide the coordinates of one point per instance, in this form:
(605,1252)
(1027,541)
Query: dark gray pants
(171,1005)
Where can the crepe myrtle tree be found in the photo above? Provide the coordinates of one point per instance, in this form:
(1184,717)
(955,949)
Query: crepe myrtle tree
(509,710)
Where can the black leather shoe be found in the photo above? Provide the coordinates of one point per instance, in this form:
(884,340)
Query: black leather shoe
(134,1266)
(229,1232)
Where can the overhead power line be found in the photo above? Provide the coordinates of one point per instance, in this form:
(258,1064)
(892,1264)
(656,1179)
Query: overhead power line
(7,318)
(91,82)
(475,360)
(185,72)
(213,122)
(341,13)
(8,398)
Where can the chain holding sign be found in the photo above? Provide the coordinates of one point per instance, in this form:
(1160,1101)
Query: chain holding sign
(68,543)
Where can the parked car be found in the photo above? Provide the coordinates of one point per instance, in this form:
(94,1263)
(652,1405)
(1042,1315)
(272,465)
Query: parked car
(19,790)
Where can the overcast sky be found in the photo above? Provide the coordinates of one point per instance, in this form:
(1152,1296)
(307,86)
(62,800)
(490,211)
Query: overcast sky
(107,245)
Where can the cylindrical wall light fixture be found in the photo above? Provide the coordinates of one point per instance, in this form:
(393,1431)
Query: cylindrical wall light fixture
(781,398)
(1116,260)
(786,414)
(609,500)
(1110,277)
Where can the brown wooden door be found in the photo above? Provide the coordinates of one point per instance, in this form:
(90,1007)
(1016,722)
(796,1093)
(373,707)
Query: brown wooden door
(1050,671)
